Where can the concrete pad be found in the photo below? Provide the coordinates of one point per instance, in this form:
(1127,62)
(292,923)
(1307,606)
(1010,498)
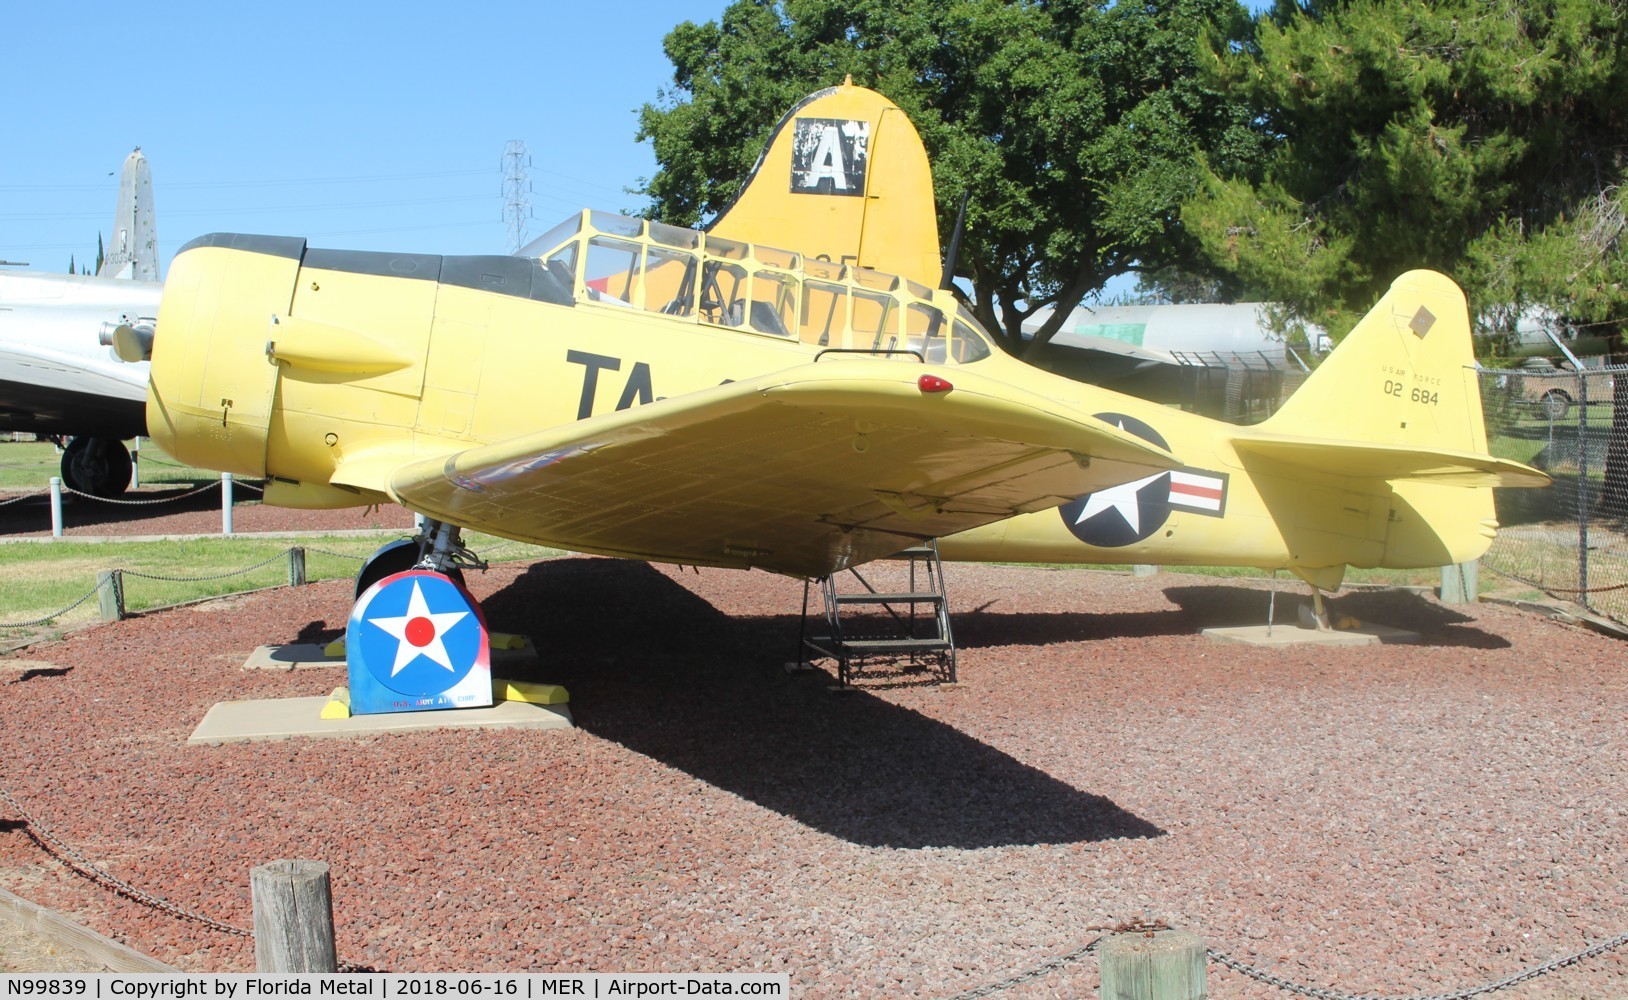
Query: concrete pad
(1293,635)
(510,654)
(282,718)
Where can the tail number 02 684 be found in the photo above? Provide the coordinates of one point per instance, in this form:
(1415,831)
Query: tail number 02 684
(1417,394)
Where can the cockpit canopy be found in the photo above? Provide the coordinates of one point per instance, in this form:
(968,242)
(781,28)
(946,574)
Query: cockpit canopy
(631,263)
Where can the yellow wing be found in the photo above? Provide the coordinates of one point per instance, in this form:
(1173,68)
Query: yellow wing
(805,471)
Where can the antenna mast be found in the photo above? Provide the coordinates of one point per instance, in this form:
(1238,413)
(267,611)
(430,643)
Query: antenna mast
(516,192)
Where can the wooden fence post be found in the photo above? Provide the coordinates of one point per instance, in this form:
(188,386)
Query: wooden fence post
(293,917)
(296,566)
(110,594)
(1153,965)
(1459,583)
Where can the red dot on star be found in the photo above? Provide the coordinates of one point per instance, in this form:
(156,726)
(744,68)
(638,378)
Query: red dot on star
(421,631)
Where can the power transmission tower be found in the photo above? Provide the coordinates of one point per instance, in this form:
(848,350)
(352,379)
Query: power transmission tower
(516,192)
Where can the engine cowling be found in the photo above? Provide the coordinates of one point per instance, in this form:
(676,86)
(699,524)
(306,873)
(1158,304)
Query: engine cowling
(213,384)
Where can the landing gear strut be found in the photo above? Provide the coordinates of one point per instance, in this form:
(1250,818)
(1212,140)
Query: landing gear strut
(438,547)
(416,639)
(98,466)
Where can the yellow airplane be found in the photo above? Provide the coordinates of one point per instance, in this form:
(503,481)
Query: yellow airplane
(708,398)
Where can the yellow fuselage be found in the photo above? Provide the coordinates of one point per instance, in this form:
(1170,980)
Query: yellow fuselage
(318,369)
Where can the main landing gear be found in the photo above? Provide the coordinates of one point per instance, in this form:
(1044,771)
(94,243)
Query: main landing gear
(416,639)
(98,466)
(438,546)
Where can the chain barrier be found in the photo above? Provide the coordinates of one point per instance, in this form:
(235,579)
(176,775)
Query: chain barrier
(1043,969)
(25,496)
(336,555)
(77,863)
(1321,993)
(136,503)
(1270,979)
(210,576)
(57,614)
(202,578)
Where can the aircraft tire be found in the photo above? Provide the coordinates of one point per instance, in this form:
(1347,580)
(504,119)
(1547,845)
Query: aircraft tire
(98,466)
(393,557)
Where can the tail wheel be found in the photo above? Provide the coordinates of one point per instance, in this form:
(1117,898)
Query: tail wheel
(98,466)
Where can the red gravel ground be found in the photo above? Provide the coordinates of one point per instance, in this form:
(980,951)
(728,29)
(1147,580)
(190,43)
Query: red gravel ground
(1386,820)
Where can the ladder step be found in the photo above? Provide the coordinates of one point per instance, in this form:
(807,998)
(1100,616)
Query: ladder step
(895,645)
(914,552)
(906,597)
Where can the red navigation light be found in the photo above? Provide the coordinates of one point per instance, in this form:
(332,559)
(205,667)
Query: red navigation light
(932,383)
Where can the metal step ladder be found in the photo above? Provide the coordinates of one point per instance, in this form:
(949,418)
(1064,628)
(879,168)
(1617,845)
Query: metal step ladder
(912,628)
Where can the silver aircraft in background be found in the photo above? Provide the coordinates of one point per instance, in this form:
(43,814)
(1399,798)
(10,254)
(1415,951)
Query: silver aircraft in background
(61,337)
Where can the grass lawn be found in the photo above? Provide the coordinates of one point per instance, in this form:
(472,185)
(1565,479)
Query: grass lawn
(38,579)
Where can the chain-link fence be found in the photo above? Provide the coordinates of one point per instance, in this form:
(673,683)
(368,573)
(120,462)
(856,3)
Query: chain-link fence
(1570,540)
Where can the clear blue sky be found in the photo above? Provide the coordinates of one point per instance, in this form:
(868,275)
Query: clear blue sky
(356,125)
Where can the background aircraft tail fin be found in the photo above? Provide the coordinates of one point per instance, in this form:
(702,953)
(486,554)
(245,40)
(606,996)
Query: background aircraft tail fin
(1405,375)
(844,177)
(133,250)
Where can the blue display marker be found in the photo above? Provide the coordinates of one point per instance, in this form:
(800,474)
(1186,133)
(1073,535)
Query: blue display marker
(417,641)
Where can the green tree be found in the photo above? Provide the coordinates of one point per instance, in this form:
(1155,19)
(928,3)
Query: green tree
(100,255)
(1074,126)
(1483,138)
(73,268)
(1405,134)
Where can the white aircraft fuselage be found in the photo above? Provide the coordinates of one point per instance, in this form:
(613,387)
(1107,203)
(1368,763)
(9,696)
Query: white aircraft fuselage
(55,377)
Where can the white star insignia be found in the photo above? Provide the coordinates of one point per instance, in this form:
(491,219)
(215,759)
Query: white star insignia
(1121,498)
(426,632)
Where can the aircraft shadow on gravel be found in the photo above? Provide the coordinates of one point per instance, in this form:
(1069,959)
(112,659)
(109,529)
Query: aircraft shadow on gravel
(1216,606)
(659,670)
(1437,624)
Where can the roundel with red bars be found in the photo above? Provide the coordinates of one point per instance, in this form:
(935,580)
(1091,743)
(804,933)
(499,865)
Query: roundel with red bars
(1130,512)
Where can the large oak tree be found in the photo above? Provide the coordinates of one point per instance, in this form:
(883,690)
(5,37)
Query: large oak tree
(1074,128)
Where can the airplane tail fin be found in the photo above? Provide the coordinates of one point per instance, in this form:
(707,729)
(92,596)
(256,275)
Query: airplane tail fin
(1398,401)
(844,177)
(1404,376)
(133,252)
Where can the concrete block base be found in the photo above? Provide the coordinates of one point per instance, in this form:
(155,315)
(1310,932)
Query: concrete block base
(283,718)
(1293,635)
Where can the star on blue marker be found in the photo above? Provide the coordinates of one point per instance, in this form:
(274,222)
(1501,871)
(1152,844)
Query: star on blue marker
(419,632)
(416,634)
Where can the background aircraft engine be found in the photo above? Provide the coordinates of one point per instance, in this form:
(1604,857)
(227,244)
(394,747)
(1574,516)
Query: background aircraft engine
(213,383)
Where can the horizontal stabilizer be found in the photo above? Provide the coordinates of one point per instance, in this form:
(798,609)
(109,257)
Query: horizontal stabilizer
(1392,462)
(805,471)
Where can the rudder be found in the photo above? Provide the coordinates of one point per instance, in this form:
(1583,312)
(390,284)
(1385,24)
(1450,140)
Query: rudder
(1404,375)
(844,177)
(134,249)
